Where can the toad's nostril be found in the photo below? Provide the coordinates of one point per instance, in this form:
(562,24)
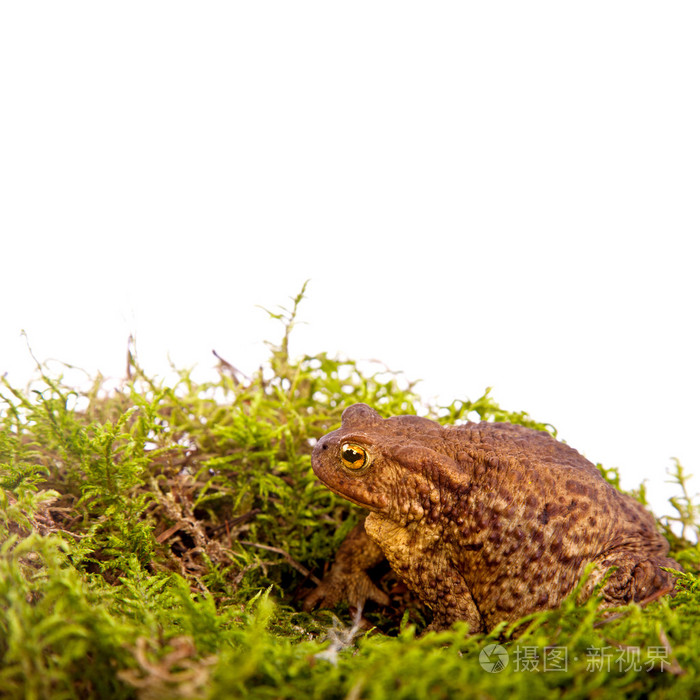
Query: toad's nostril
(324,447)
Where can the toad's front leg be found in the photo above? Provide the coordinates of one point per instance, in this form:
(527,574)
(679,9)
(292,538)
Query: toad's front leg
(348,579)
(420,559)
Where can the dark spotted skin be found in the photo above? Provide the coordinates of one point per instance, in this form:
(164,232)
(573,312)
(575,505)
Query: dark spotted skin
(485,522)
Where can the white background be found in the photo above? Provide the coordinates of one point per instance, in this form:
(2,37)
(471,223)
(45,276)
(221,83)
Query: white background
(494,194)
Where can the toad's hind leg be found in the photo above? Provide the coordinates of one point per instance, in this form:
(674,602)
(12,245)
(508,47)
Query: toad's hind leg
(636,579)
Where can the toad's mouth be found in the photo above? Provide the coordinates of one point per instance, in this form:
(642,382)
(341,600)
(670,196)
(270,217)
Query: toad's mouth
(363,504)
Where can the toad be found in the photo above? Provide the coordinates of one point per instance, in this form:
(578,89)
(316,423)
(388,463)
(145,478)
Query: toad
(485,522)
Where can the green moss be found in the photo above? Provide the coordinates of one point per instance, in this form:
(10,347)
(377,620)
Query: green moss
(155,540)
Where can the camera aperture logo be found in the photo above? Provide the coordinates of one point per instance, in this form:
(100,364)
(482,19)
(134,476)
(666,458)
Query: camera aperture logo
(493,658)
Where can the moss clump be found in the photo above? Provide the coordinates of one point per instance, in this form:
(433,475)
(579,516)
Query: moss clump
(155,540)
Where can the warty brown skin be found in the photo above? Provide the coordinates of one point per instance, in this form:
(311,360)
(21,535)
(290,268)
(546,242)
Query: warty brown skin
(485,522)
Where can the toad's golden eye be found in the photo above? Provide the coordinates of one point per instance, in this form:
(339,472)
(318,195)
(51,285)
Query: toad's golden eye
(353,456)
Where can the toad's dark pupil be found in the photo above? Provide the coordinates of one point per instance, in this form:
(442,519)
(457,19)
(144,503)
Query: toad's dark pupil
(350,455)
